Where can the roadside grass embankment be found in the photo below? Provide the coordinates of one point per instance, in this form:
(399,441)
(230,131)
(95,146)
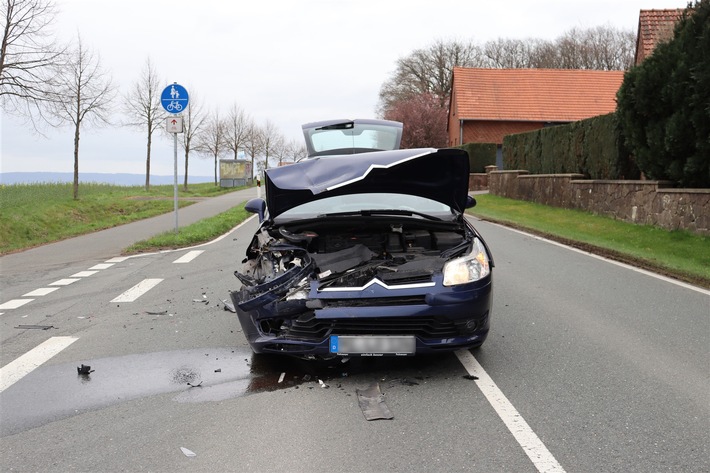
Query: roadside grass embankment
(679,254)
(199,232)
(40,213)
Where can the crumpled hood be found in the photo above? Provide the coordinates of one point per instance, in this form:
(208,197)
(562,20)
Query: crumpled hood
(440,175)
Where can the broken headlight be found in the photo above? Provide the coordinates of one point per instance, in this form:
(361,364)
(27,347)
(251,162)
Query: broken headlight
(469,268)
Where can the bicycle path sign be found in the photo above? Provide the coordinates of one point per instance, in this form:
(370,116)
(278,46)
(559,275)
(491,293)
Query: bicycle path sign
(174,98)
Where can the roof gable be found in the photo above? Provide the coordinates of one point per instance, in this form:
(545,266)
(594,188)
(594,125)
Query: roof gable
(544,95)
(655,27)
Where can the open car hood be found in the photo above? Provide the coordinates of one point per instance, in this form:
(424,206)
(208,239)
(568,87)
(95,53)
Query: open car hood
(440,175)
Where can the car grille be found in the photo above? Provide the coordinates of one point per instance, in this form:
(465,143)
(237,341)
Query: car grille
(424,327)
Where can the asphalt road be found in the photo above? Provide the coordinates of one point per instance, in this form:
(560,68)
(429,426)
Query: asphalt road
(606,366)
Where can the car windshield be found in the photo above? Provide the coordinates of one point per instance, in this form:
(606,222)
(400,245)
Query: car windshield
(351,137)
(368,202)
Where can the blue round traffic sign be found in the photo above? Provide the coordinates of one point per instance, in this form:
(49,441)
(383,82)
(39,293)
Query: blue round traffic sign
(174,98)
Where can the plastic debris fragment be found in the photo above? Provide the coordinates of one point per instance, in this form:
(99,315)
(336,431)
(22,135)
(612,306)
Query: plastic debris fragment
(228,306)
(322,384)
(84,369)
(281,378)
(188,453)
(372,403)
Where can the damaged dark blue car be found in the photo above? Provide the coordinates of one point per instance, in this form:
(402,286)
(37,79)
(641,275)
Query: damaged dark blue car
(363,250)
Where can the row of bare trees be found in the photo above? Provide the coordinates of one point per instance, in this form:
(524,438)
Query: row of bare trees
(48,83)
(45,81)
(425,76)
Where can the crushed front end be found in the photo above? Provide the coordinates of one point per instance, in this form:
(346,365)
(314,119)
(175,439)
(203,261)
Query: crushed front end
(365,287)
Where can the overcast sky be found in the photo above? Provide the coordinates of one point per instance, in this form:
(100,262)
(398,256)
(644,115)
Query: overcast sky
(287,61)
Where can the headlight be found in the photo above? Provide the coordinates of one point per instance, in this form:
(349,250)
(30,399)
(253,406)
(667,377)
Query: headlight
(469,268)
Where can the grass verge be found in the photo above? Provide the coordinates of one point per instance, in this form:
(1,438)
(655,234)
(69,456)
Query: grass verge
(679,254)
(35,214)
(199,232)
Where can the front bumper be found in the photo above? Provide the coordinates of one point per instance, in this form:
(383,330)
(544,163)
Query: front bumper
(440,319)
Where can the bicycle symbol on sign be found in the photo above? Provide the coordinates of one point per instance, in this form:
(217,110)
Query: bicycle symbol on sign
(174,105)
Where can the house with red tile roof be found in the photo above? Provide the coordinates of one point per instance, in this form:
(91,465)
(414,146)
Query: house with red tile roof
(488,104)
(655,27)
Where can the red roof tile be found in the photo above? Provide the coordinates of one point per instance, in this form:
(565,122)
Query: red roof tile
(544,95)
(655,26)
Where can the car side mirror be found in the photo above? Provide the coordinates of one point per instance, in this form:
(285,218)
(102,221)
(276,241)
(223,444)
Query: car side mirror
(470,202)
(256,206)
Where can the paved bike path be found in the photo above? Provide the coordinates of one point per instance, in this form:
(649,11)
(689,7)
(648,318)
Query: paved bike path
(109,243)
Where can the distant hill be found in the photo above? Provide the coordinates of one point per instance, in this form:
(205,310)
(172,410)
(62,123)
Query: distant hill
(118,179)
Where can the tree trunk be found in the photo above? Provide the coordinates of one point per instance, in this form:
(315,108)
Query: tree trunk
(147,163)
(76,161)
(185,183)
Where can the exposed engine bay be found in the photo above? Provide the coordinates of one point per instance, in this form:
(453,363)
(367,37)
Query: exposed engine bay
(283,261)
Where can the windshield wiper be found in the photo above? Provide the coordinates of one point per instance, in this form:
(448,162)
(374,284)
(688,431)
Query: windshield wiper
(367,213)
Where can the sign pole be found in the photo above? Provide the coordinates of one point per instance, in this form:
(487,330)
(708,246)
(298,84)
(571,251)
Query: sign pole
(175,182)
(174,100)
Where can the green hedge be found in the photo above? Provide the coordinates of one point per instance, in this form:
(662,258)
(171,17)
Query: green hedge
(480,155)
(592,147)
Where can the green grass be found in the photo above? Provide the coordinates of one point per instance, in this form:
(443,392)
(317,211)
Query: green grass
(35,214)
(199,232)
(680,254)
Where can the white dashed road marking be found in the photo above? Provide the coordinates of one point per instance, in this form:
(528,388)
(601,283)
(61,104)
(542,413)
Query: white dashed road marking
(64,282)
(138,290)
(83,274)
(118,259)
(189,256)
(42,291)
(22,366)
(15,303)
(531,443)
(101,266)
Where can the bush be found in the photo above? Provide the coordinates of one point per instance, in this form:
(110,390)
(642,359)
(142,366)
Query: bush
(592,147)
(480,155)
(664,104)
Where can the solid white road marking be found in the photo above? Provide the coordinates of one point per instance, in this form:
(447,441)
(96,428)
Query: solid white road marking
(14,303)
(531,443)
(189,256)
(617,263)
(138,290)
(22,366)
(42,291)
(83,274)
(64,282)
(102,266)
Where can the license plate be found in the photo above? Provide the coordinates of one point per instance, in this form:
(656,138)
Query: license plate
(372,345)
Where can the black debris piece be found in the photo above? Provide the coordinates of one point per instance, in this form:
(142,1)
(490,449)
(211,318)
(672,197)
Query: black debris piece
(372,403)
(84,370)
(470,377)
(198,385)
(36,327)
(162,312)
(218,370)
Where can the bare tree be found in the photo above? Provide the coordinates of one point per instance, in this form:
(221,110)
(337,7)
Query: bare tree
(29,56)
(194,119)
(85,93)
(212,140)
(142,106)
(428,71)
(236,129)
(272,141)
(424,122)
(296,150)
(254,145)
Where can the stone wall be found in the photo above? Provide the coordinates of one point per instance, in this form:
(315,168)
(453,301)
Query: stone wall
(646,202)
